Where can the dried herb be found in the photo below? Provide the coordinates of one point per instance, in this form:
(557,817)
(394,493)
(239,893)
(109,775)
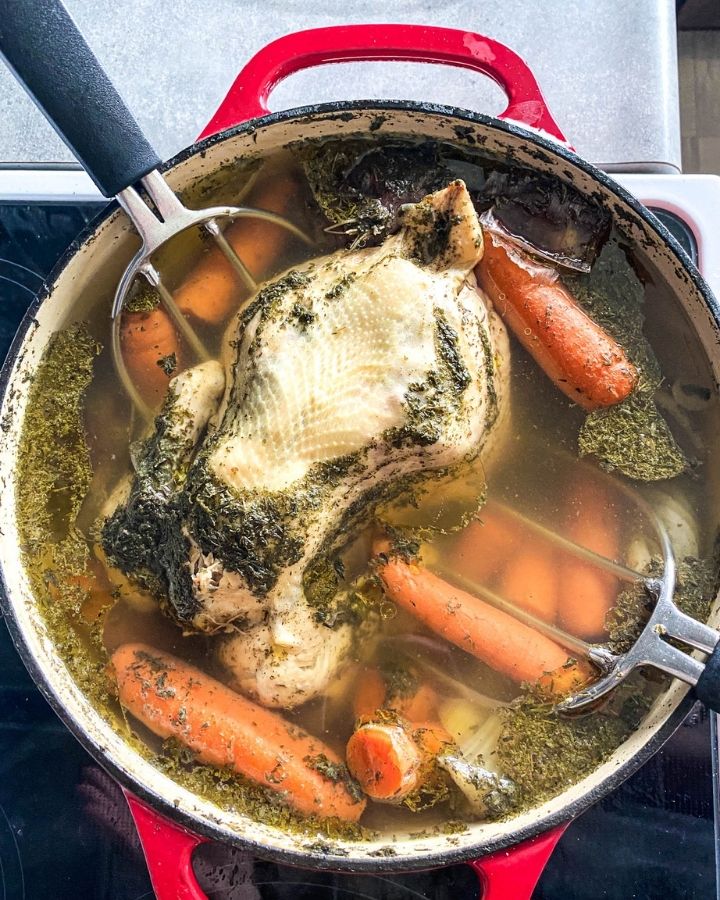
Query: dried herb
(631,437)
(144,298)
(544,751)
(54,475)
(337,773)
(695,588)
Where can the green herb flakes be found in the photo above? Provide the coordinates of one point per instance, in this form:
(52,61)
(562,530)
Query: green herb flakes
(631,437)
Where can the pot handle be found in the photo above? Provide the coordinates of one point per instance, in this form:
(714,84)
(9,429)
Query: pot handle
(248,96)
(168,852)
(515,872)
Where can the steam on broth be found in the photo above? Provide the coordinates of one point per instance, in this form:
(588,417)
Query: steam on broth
(394,561)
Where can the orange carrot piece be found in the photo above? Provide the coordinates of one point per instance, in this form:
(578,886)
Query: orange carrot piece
(430,737)
(174,699)
(581,359)
(369,694)
(485,545)
(390,760)
(145,338)
(384,760)
(499,640)
(566,679)
(530,581)
(212,289)
(418,706)
(586,591)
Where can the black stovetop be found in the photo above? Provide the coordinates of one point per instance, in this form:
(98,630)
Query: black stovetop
(66,833)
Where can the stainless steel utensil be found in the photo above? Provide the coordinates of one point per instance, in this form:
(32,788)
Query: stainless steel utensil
(652,648)
(159,216)
(113,150)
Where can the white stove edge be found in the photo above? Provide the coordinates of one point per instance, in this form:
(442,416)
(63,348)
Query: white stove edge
(694,198)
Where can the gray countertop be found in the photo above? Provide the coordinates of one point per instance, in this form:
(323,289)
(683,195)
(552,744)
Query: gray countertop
(610,77)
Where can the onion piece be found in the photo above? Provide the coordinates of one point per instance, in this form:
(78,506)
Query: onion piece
(487,793)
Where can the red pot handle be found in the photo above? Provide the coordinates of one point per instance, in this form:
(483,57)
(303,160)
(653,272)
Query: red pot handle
(168,851)
(514,873)
(248,96)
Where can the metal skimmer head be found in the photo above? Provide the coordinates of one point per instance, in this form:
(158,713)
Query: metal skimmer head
(157,222)
(650,649)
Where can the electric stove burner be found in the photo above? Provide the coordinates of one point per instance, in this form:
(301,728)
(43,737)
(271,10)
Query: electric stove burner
(66,832)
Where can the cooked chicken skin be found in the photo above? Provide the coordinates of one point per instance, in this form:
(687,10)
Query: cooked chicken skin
(342,377)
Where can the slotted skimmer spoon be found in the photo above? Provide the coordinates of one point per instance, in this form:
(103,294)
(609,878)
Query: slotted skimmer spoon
(652,647)
(41,44)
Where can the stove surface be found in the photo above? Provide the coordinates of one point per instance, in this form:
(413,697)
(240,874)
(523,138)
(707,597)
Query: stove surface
(66,832)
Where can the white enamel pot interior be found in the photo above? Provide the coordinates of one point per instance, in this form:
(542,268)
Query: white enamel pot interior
(94,264)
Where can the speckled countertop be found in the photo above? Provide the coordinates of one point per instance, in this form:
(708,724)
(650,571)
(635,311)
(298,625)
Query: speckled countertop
(608,70)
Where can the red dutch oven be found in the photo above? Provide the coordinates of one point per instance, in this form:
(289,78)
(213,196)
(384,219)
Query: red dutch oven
(508,856)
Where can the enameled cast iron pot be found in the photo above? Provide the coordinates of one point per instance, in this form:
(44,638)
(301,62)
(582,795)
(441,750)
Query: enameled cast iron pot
(525,134)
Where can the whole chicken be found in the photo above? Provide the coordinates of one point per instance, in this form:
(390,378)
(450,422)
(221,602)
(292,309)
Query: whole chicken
(341,383)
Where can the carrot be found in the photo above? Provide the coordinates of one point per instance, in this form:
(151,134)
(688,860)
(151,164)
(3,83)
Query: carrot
(211,289)
(569,677)
(500,552)
(496,638)
(145,338)
(483,547)
(586,591)
(530,581)
(224,729)
(581,359)
(391,759)
(421,704)
(369,694)
(430,737)
(372,695)
(383,758)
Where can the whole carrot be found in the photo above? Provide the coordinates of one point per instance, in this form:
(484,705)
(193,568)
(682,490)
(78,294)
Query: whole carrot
(500,552)
(483,547)
(496,638)
(581,359)
(146,338)
(211,289)
(225,729)
(586,591)
(530,580)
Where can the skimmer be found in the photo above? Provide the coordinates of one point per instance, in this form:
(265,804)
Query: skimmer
(42,45)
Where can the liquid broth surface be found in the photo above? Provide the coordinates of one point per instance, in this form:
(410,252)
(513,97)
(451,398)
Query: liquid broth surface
(532,470)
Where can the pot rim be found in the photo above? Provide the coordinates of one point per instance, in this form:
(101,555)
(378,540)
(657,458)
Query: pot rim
(423,860)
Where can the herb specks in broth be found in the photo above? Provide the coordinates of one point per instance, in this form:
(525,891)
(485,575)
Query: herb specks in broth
(54,475)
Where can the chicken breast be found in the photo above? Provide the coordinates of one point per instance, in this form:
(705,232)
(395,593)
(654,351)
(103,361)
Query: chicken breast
(345,380)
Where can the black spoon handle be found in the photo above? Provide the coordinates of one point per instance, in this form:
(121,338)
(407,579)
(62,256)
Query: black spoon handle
(48,55)
(707,688)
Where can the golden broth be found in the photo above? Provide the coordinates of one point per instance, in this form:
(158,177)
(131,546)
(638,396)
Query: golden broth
(532,470)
